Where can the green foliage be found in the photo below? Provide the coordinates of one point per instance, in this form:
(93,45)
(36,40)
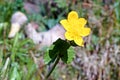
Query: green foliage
(61,3)
(2,27)
(117,10)
(69,56)
(16,62)
(15,57)
(14,72)
(62,49)
(51,23)
(9,8)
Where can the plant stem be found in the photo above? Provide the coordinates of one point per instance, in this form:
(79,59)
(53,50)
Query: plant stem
(53,67)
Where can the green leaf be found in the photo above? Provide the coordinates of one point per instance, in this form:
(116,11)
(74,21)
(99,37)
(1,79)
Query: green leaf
(31,70)
(71,54)
(15,74)
(61,45)
(25,41)
(16,40)
(24,58)
(61,48)
(64,57)
(47,58)
(95,39)
(61,3)
(117,10)
(51,22)
(1,27)
(68,56)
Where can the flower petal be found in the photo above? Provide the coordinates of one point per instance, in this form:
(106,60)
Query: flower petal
(65,24)
(85,32)
(69,36)
(72,16)
(79,41)
(82,22)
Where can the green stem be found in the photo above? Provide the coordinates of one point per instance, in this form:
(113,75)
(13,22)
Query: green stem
(53,67)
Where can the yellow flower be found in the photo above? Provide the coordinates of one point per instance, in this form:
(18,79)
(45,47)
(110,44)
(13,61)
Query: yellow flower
(75,29)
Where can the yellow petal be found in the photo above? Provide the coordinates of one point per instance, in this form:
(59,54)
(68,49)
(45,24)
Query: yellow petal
(79,41)
(85,32)
(65,24)
(69,36)
(82,22)
(72,16)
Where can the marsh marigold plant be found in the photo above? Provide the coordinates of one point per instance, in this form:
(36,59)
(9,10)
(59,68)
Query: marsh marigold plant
(75,28)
